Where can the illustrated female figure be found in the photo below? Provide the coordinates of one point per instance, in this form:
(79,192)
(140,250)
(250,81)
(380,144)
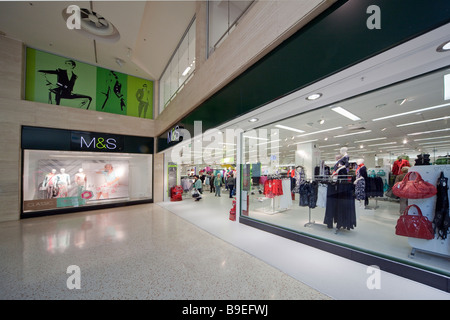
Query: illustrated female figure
(111,182)
(65,81)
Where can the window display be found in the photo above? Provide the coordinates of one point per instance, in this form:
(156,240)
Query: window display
(61,179)
(337,179)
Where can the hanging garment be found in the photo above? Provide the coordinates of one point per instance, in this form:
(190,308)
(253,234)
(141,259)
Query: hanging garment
(273,188)
(441,216)
(304,194)
(322,195)
(360,189)
(308,194)
(285,198)
(340,207)
(360,186)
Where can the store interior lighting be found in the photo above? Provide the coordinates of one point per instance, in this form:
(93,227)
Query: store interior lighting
(346,113)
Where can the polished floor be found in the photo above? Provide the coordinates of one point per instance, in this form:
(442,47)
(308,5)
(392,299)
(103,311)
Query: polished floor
(177,250)
(138,252)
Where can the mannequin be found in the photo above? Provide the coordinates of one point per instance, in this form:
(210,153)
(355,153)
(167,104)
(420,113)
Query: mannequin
(360,182)
(63,182)
(342,164)
(81,181)
(49,184)
(403,201)
(299,174)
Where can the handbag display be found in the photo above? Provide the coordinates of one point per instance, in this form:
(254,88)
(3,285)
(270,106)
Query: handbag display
(414,226)
(414,187)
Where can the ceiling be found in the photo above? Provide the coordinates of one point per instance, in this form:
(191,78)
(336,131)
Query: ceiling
(407,78)
(149,32)
(409,133)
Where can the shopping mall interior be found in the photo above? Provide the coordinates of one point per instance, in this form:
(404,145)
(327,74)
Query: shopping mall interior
(224,150)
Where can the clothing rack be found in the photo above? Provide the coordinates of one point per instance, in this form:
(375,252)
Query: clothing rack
(329,179)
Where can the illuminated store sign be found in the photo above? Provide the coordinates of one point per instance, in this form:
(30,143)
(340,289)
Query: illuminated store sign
(86,141)
(175,135)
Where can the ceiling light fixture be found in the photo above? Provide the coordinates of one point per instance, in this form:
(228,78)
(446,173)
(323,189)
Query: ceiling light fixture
(314,96)
(302,142)
(93,25)
(185,72)
(346,113)
(423,121)
(414,111)
(253,120)
(447,87)
(330,145)
(400,101)
(444,47)
(257,138)
(434,142)
(434,138)
(353,133)
(424,132)
(374,139)
(289,128)
(382,144)
(320,131)
(120,62)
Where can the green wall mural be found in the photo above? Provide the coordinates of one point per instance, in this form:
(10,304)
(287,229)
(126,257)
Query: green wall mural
(62,81)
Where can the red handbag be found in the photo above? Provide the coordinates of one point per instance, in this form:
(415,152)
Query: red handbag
(414,226)
(413,188)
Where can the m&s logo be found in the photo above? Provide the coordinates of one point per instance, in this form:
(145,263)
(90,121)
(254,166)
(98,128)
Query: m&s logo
(98,143)
(174,135)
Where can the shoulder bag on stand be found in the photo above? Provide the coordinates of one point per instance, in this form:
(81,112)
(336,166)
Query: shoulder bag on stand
(414,187)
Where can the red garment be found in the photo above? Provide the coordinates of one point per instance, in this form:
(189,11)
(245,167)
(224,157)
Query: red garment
(359,167)
(273,188)
(398,165)
(291,173)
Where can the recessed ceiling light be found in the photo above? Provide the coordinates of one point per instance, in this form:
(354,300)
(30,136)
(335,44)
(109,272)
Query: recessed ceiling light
(320,131)
(353,133)
(414,111)
(289,128)
(346,113)
(424,132)
(253,120)
(444,47)
(374,139)
(314,96)
(382,144)
(93,25)
(400,101)
(423,121)
(447,87)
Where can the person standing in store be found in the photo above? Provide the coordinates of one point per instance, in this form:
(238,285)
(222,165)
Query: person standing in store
(211,183)
(218,185)
(231,181)
(198,184)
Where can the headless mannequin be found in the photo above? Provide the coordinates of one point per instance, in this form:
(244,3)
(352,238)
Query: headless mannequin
(63,180)
(49,183)
(80,178)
